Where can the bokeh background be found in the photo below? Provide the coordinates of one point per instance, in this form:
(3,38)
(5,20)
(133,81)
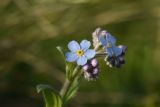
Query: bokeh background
(30,30)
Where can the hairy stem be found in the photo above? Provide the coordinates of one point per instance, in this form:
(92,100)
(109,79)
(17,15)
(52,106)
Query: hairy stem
(68,83)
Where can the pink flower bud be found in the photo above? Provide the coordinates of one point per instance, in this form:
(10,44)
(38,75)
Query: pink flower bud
(94,62)
(95,71)
(85,67)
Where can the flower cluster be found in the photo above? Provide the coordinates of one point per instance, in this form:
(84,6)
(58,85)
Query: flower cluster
(91,69)
(104,44)
(114,54)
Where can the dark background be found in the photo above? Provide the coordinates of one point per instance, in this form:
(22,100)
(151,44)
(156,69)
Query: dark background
(30,30)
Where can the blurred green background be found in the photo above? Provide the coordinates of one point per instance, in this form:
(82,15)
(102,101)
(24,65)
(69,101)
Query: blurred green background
(30,30)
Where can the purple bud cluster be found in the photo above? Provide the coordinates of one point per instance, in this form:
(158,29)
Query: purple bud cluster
(117,61)
(91,70)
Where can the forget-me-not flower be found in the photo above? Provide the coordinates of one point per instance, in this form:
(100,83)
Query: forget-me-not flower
(109,42)
(80,52)
(117,61)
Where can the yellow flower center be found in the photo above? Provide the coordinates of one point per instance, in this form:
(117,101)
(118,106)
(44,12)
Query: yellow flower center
(80,52)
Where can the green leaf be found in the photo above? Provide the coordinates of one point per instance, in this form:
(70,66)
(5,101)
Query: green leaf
(69,70)
(72,91)
(51,97)
(60,49)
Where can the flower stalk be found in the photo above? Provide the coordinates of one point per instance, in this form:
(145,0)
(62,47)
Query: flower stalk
(68,83)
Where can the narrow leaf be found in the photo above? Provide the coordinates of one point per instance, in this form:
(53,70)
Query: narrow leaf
(51,97)
(72,91)
(69,70)
(60,49)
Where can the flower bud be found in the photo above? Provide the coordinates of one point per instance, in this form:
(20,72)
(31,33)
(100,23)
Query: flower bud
(95,71)
(91,70)
(115,61)
(94,62)
(86,67)
(124,49)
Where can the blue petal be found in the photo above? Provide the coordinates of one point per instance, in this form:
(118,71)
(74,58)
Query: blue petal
(90,53)
(117,51)
(109,51)
(124,48)
(73,46)
(82,60)
(85,44)
(70,56)
(114,51)
(102,40)
(110,38)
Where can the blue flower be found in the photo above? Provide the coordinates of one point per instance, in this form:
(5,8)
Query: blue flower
(80,53)
(106,38)
(108,41)
(118,59)
(113,51)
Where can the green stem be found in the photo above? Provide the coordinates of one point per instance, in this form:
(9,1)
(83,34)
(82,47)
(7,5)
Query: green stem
(68,83)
